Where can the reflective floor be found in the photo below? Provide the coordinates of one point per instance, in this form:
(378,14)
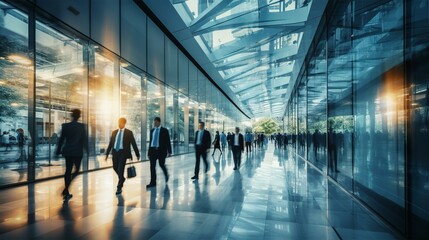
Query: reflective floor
(274,195)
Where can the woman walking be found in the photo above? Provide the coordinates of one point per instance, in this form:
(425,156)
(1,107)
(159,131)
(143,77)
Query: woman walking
(216,143)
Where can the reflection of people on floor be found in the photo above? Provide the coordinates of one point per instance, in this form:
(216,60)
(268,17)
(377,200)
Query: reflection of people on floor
(166,197)
(216,175)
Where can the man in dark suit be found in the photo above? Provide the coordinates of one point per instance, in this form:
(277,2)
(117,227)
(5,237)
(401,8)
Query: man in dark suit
(74,135)
(121,141)
(160,148)
(202,147)
(237,147)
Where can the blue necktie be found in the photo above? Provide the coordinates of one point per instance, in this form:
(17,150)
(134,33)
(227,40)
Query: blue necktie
(155,138)
(118,141)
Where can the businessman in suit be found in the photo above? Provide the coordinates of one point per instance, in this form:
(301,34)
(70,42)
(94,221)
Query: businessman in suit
(74,139)
(121,141)
(202,147)
(160,148)
(237,147)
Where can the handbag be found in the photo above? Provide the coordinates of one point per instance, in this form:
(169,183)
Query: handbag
(131,172)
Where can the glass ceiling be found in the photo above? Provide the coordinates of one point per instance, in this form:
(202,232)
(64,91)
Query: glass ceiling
(252,44)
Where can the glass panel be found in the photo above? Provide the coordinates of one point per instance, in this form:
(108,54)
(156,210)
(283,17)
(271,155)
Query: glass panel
(61,85)
(340,98)
(419,121)
(154,97)
(316,104)
(131,101)
(193,121)
(103,104)
(15,74)
(302,119)
(183,125)
(379,108)
(170,122)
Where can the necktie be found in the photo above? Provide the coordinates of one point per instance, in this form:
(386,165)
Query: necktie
(118,141)
(155,138)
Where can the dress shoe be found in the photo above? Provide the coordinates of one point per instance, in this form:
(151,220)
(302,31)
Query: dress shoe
(150,185)
(194,177)
(118,191)
(235,168)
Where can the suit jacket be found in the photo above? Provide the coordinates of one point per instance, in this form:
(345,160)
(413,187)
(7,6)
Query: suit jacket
(164,147)
(127,141)
(240,141)
(205,142)
(74,135)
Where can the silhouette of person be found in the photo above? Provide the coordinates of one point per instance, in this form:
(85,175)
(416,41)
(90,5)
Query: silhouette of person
(216,143)
(121,141)
(74,136)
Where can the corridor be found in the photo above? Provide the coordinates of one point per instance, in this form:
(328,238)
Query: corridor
(274,195)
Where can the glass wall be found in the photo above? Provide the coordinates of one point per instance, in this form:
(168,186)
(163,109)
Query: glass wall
(367,106)
(103,105)
(68,70)
(340,96)
(132,98)
(61,85)
(316,105)
(379,108)
(418,131)
(16,69)
(155,96)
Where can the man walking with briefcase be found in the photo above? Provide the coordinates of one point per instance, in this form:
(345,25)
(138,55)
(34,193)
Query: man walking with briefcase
(121,141)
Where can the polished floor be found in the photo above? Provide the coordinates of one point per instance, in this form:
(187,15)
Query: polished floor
(274,195)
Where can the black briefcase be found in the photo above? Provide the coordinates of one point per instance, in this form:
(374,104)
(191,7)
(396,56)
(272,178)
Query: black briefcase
(131,172)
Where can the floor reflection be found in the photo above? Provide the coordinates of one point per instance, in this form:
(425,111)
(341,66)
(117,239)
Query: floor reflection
(274,195)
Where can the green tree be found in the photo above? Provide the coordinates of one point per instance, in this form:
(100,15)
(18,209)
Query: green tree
(266,125)
(8,96)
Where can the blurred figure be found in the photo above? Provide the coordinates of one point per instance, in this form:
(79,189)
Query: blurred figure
(237,147)
(223,140)
(248,138)
(74,136)
(216,143)
(202,147)
(6,140)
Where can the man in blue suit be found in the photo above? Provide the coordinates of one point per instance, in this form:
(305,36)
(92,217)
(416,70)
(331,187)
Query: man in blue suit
(74,136)
(121,141)
(159,148)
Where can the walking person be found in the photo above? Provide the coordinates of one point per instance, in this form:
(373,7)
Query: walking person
(223,140)
(248,138)
(5,140)
(229,140)
(202,147)
(160,148)
(237,147)
(120,145)
(73,137)
(216,143)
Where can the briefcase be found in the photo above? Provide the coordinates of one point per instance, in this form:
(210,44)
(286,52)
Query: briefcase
(131,172)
